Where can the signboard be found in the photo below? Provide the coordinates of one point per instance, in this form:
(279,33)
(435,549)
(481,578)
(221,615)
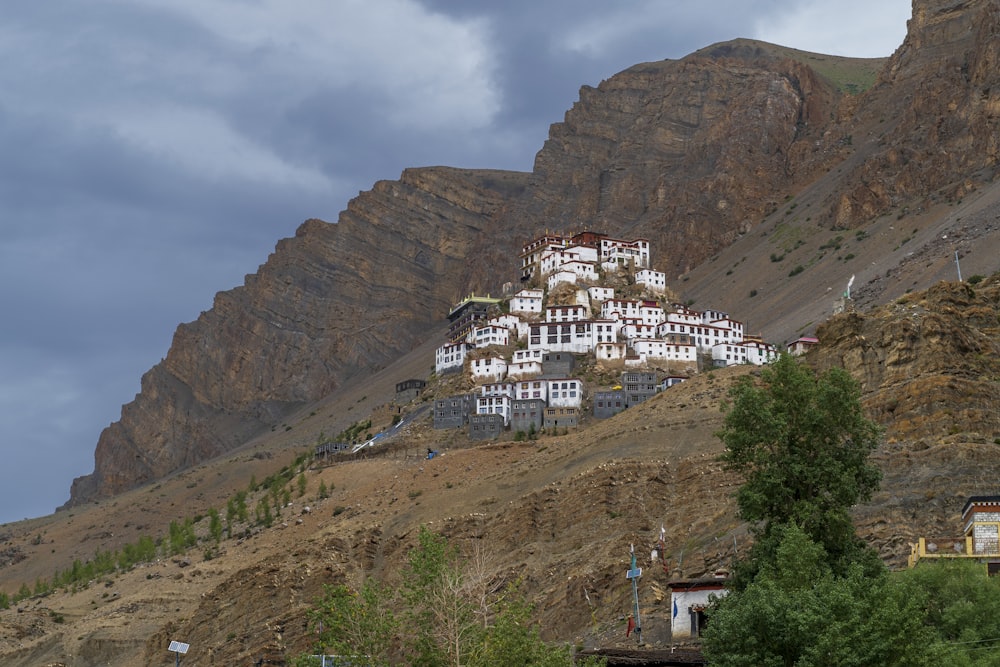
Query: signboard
(178,647)
(634,574)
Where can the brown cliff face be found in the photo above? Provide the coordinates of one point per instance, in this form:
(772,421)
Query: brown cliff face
(332,303)
(930,129)
(690,154)
(928,363)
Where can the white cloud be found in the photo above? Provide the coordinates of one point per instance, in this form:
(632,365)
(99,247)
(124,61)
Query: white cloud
(433,71)
(201,142)
(856,28)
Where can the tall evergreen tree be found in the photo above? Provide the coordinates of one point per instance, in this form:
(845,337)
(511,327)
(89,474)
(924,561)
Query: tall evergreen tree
(802,444)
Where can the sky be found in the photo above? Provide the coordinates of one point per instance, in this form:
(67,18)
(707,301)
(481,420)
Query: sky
(153,152)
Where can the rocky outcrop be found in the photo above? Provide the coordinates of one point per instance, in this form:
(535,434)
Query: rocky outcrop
(690,154)
(928,363)
(332,303)
(930,128)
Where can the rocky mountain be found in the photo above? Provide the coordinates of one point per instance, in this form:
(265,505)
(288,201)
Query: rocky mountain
(694,154)
(765,178)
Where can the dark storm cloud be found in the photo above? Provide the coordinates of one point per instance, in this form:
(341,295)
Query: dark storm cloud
(154,152)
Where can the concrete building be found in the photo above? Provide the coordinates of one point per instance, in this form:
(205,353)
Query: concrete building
(527,414)
(608,403)
(561,417)
(453,411)
(639,386)
(485,426)
(558,364)
(408,390)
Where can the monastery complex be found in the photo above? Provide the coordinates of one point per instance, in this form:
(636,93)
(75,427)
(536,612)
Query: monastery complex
(583,296)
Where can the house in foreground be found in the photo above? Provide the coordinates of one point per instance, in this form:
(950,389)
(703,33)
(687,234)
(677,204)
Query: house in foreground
(981,522)
(689,598)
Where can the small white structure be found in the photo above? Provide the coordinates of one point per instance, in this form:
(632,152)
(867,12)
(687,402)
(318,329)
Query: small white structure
(488,368)
(620,309)
(597,293)
(497,389)
(513,323)
(567,313)
(621,253)
(531,389)
(565,392)
(610,351)
(605,331)
(450,357)
(654,281)
(491,334)
(527,301)
(560,277)
(656,350)
(500,405)
(584,270)
(758,352)
(651,313)
(801,345)
(688,601)
(670,381)
(728,354)
(634,329)
(525,363)
(573,337)
(554,260)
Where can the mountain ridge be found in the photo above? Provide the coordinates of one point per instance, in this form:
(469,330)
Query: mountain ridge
(896,187)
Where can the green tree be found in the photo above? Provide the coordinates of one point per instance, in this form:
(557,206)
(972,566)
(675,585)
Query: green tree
(802,444)
(961,605)
(514,639)
(215,525)
(301,482)
(429,580)
(358,623)
(798,612)
(445,613)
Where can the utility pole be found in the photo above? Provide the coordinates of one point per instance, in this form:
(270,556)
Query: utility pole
(633,574)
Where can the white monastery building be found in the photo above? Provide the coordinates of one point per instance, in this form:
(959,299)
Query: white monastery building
(527,301)
(655,281)
(450,357)
(488,368)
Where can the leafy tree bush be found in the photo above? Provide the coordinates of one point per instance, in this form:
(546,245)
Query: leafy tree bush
(797,612)
(961,606)
(802,444)
(446,612)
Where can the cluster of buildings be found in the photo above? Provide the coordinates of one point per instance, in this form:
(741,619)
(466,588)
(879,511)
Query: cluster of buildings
(532,386)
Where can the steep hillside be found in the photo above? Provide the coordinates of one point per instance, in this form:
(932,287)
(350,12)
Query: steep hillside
(558,513)
(713,151)
(333,303)
(765,177)
(691,153)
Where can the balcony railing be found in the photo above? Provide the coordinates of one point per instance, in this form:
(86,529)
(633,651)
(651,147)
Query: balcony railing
(950,547)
